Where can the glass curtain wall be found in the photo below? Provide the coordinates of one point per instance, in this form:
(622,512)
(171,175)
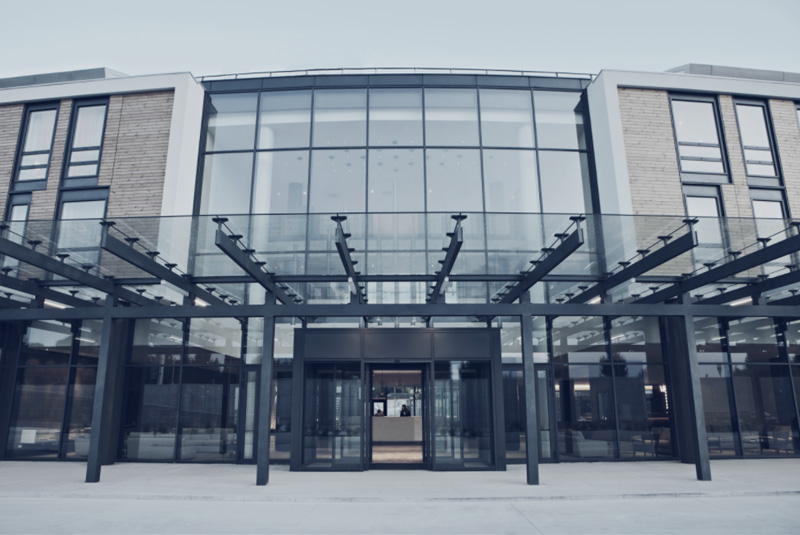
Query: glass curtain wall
(749,386)
(51,413)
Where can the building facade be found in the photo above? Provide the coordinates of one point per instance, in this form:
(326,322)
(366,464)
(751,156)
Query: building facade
(369,269)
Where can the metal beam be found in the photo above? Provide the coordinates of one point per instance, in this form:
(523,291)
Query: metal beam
(357,291)
(228,246)
(443,275)
(749,261)
(698,417)
(51,265)
(645,264)
(32,287)
(547,264)
(748,291)
(145,263)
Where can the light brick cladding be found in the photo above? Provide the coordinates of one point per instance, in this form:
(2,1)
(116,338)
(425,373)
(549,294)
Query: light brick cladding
(787,134)
(10,121)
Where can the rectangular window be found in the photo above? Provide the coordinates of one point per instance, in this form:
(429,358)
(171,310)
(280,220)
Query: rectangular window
(756,137)
(86,139)
(703,203)
(78,226)
(38,132)
(697,136)
(16,218)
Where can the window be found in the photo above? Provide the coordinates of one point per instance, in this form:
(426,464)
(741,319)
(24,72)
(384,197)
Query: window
(86,139)
(38,132)
(697,137)
(756,137)
(703,202)
(78,225)
(16,217)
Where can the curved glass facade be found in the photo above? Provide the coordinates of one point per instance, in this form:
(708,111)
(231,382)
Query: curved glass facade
(418,147)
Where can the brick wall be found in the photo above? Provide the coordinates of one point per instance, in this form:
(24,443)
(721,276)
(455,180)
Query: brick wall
(650,147)
(787,134)
(10,122)
(735,196)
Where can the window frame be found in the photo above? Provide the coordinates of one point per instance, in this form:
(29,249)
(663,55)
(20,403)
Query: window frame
(690,177)
(752,179)
(38,183)
(83,180)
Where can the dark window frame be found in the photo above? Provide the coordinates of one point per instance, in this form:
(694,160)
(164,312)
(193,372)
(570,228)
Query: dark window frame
(690,177)
(83,180)
(760,180)
(39,183)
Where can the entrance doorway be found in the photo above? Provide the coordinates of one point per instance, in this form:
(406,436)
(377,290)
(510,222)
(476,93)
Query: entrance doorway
(398,424)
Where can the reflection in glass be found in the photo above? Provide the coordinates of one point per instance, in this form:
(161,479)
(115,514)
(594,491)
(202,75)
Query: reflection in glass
(340,117)
(281,185)
(79,418)
(510,181)
(281,420)
(89,336)
(338,181)
(451,117)
(578,340)
(226,183)
(753,340)
(37,412)
(709,339)
(708,228)
(396,180)
(232,122)
(755,140)
(698,139)
(284,119)
(454,180)
(46,343)
(559,120)
(395,117)
(462,415)
(39,132)
(564,182)
(208,413)
(150,419)
(584,402)
(715,386)
(214,341)
(157,341)
(642,410)
(506,118)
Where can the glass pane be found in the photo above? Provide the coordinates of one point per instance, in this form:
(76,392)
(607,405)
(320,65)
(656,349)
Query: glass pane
(32,174)
(338,181)
(752,125)
(84,156)
(285,120)
(753,340)
(90,335)
(708,228)
(281,182)
(82,170)
(643,411)
(700,152)
(226,184)
(39,134)
(793,344)
(709,339)
(89,126)
(340,117)
(232,122)
(695,122)
(151,414)
(37,412)
(79,419)
(454,180)
(579,340)
(564,182)
(46,343)
(584,412)
(766,410)
(506,118)
(251,384)
(760,170)
(451,117)
(214,341)
(208,413)
(758,155)
(332,415)
(395,117)
(396,180)
(35,159)
(698,166)
(514,407)
(510,181)
(462,415)
(636,339)
(281,422)
(717,398)
(157,341)
(559,120)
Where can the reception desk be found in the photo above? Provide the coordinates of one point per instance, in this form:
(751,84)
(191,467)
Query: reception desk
(397,429)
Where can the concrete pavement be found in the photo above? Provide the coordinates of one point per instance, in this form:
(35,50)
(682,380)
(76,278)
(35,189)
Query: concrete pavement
(745,496)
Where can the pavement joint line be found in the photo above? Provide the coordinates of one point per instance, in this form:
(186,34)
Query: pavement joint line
(332,499)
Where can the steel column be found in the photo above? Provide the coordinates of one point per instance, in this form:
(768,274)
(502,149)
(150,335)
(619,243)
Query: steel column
(698,416)
(265,395)
(531,417)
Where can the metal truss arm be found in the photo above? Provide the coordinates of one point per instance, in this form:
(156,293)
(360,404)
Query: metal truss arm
(145,263)
(728,269)
(31,287)
(347,261)
(443,275)
(51,265)
(645,264)
(755,289)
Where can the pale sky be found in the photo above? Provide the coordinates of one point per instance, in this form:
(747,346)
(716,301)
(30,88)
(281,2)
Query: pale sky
(227,36)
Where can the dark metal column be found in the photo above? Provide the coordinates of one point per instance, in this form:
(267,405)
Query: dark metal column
(265,394)
(100,405)
(529,377)
(698,416)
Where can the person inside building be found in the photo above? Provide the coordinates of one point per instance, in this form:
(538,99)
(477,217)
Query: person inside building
(404,411)
(379,413)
